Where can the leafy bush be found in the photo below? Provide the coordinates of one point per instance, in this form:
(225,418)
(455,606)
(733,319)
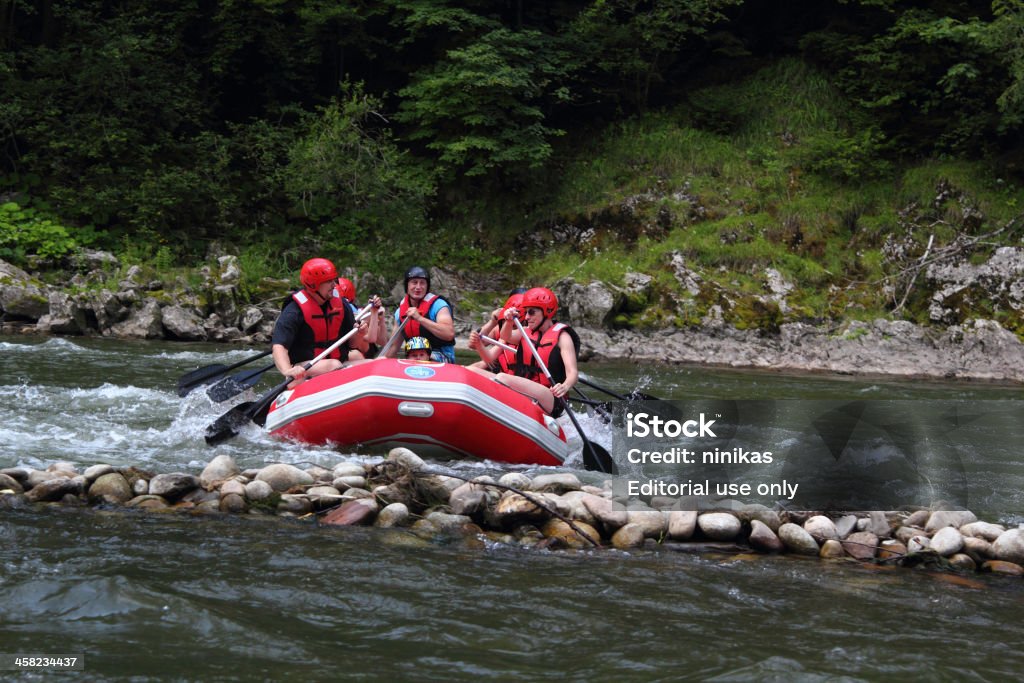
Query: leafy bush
(25,231)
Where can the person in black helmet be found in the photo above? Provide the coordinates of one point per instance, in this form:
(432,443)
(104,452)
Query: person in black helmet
(430,316)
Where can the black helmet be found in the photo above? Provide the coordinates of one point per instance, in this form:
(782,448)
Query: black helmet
(417,271)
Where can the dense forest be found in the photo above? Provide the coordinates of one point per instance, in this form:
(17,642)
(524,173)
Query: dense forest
(472,133)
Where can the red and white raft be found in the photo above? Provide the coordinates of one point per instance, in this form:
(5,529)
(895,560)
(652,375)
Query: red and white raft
(437,409)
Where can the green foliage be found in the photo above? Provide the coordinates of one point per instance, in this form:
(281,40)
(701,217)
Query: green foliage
(25,231)
(480,108)
(629,43)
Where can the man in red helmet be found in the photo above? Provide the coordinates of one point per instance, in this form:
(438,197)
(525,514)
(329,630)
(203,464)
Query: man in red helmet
(430,316)
(311,321)
(557,344)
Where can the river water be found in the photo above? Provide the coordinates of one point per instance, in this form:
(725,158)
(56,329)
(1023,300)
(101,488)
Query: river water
(176,597)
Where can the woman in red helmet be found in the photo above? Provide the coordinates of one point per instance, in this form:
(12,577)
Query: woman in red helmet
(311,321)
(556,343)
(373,332)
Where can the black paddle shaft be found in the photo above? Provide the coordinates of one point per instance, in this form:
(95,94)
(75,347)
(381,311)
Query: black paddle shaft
(209,373)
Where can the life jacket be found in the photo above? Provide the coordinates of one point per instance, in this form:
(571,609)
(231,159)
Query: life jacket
(506,361)
(547,344)
(414,329)
(325,322)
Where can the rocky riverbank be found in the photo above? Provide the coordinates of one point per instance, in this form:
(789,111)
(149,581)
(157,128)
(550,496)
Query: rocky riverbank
(549,511)
(93,302)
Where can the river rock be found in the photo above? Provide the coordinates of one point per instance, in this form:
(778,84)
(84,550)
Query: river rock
(962,562)
(1010,546)
(21,296)
(393,515)
(183,323)
(953,518)
(283,477)
(878,524)
(514,507)
(890,549)
(147,502)
(349,469)
(37,477)
(468,499)
(831,549)
(140,487)
(353,513)
(605,512)
(905,533)
(719,526)
(947,541)
(217,470)
(1003,567)
(918,518)
(323,496)
(653,522)
(232,486)
(628,537)
(448,523)
(516,480)
(978,547)
(258,490)
(18,474)
(796,539)
(96,471)
(845,526)
(407,458)
(358,494)
(10,483)
(681,524)
(556,528)
(576,500)
(862,545)
(348,482)
(294,504)
(54,489)
(989,532)
(173,486)
(233,503)
(142,323)
(821,528)
(763,538)
(918,544)
(556,483)
(110,488)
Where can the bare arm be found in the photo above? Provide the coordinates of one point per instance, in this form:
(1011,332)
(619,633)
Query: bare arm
(572,373)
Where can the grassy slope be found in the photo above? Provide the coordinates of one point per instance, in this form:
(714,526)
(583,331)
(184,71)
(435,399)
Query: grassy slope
(764,173)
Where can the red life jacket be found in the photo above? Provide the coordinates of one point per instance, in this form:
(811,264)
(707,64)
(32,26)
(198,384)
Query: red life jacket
(506,361)
(527,366)
(412,328)
(326,324)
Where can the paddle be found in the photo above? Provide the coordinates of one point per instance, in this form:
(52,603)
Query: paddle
(205,375)
(632,396)
(600,407)
(594,457)
(227,425)
(383,353)
(235,384)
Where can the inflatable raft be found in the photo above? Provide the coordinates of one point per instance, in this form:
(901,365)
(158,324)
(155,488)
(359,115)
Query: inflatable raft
(437,409)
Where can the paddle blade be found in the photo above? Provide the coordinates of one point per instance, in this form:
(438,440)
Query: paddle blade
(235,384)
(199,377)
(597,459)
(227,425)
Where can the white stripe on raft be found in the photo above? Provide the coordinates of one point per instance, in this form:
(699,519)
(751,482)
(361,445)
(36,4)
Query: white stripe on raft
(489,407)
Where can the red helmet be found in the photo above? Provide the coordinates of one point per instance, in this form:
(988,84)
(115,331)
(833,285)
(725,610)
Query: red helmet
(542,298)
(514,301)
(346,288)
(317,271)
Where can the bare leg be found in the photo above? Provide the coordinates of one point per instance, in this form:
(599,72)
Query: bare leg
(536,391)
